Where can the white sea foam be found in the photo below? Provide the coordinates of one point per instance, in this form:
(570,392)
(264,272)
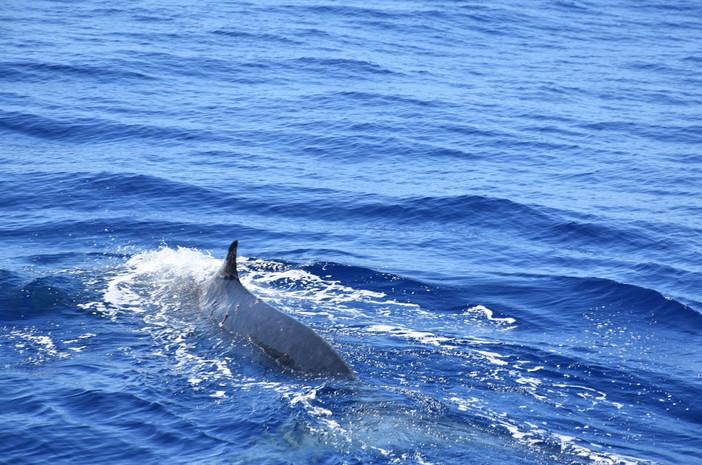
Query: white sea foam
(533,382)
(493,357)
(36,346)
(423,337)
(537,437)
(285,285)
(489,315)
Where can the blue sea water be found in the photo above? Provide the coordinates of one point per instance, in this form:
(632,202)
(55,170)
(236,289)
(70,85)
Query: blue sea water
(492,210)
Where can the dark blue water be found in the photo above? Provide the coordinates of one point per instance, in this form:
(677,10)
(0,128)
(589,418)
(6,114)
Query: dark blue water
(492,210)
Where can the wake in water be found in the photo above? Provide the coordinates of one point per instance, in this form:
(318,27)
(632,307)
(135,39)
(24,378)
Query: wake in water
(426,378)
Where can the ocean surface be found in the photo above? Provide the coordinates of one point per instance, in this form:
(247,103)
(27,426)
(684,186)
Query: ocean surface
(492,210)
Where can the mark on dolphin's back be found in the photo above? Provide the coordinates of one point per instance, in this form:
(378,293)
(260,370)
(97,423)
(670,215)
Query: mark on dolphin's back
(281,358)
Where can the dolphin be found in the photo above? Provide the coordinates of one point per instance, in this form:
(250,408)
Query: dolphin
(289,342)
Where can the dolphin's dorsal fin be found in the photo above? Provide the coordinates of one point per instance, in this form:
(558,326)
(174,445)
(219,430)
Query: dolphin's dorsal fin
(229,270)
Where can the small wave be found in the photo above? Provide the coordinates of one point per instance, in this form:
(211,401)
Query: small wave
(63,226)
(143,189)
(343,66)
(112,191)
(378,99)
(483,212)
(348,10)
(88,130)
(562,301)
(648,304)
(255,36)
(509,217)
(49,72)
(690,134)
(47,295)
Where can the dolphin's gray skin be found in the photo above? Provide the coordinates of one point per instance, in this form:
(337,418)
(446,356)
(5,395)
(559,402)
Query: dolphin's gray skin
(292,344)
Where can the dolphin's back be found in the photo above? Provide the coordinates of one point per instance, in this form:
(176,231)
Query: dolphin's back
(288,341)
